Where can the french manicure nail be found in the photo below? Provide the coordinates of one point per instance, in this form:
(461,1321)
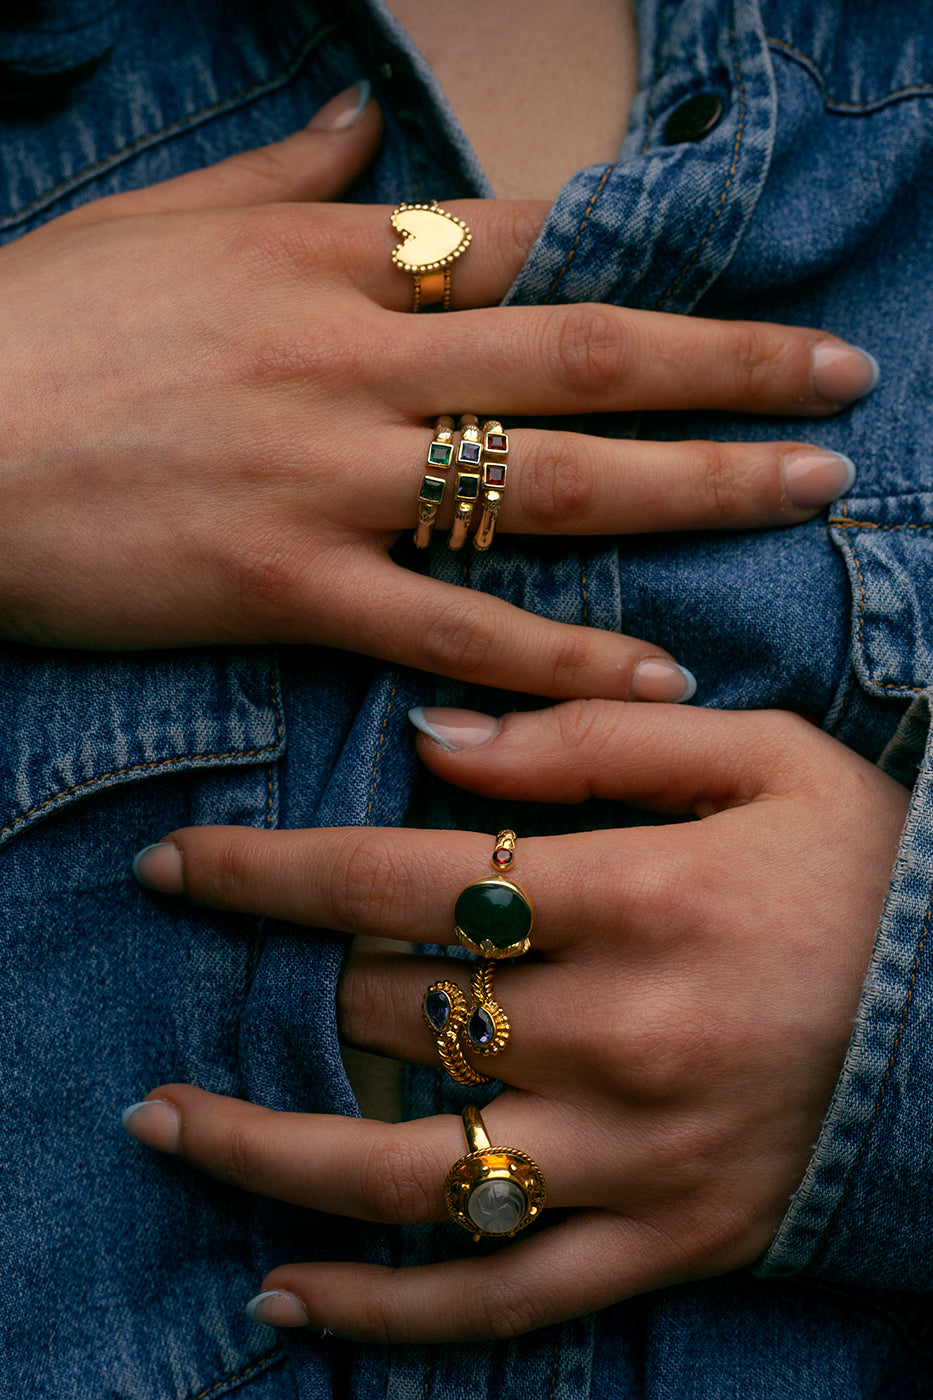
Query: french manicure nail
(160,867)
(343,110)
(154,1122)
(842,373)
(813,478)
(278,1308)
(659,679)
(455,729)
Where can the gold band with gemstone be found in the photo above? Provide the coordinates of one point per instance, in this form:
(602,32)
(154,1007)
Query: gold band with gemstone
(493,918)
(469,473)
(495,468)
(482,1027)
(431,493)
(432,239)
(493,1191)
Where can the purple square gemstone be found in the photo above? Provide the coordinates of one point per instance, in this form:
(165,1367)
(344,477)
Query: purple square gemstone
(468,451)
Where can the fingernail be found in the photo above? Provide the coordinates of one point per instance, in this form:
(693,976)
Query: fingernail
(278,1308)
(455,729)
(159,867)
(842,373)
(344,109)
(154,1122)
(657,679)
(814,478)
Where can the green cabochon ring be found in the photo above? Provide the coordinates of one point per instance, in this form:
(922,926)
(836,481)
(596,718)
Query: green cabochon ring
(493,918)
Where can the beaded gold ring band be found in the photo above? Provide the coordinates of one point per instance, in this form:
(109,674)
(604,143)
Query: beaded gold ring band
(432,239)
(433,486)
(492,1191)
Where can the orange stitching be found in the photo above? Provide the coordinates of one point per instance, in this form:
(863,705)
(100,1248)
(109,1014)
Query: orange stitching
(835,103)
(586,214)
(427,1379)
(277,1354)
(727,186)
(890,1066)
(845,523)
(153,763)
(552,1391)
(882,685)
(90,171)
(382,735)
(586,601)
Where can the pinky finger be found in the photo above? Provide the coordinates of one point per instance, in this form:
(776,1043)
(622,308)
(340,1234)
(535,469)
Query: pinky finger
(590,1261)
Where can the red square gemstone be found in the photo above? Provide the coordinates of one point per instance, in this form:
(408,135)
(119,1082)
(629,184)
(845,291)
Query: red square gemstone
(494,474)
(497,442)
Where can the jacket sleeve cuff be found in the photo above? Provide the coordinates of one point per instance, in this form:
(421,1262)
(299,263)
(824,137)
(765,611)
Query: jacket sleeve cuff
(863,1213)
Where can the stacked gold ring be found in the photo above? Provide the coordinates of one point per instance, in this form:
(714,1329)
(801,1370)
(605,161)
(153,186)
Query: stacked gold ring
(467,485)
(431,493)
(495,468)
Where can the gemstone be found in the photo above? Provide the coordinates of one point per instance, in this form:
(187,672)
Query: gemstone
(440,454)
(494,474)
(437,1008)
(497,1206)
(503,858)
(467,487)
(480,1027)
(469,451)
(490,911)
(497,442)
(432,489)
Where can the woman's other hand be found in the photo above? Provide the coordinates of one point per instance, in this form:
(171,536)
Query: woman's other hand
(216,413)
(675,1036)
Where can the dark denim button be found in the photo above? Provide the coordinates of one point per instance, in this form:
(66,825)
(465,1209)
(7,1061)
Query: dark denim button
(693,119)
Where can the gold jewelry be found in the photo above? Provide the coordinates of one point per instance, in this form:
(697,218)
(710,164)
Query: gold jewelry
(495,467)
(493,918)
(466,489)
(440,456)
(431,240)
(483,1027)
(493,1190)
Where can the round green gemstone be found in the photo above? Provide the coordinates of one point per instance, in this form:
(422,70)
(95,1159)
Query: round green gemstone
(490,911)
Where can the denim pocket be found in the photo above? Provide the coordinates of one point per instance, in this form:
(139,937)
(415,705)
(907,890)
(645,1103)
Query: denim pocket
(887,544)
(78,723)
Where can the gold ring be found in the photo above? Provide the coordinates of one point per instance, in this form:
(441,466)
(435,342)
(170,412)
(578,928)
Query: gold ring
(440,456)
(431,240)
(495,467)
(493,918)
(493,1190)
(482,1027)
(466,489)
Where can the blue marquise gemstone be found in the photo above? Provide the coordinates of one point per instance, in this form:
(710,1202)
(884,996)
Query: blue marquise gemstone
(480,1027)
(437,1008)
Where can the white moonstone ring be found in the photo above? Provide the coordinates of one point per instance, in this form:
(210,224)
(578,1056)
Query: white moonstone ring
(493,1191)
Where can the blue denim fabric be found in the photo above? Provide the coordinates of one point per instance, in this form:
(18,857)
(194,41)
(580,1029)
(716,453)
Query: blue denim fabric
(809,202)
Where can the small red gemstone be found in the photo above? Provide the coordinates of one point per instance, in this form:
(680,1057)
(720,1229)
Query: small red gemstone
(503,857)
(497,442)
(494,474)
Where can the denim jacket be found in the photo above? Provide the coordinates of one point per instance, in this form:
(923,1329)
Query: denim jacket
(810,201)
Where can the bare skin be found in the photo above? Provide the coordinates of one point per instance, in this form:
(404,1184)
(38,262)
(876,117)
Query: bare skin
(540,87)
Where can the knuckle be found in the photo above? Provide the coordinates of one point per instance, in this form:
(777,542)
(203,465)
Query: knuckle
(262,577)
(459,640)
(763,362)
(364,879)
(593,350)
(503,1311)
(395,1177)
(555,485)
(571,662)
(582,724)
(240,1155)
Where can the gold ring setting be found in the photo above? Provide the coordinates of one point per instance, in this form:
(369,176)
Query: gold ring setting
(492,1191)
(433,486)
(480,1026)
(432,239)
(495,467)
(493,917)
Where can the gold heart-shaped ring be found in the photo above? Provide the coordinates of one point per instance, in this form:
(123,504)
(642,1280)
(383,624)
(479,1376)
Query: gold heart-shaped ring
(431,240)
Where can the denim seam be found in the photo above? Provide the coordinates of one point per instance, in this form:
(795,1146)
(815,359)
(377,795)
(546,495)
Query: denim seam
(728,184)
(378,754)
(835,104)
(844,522)
(882,685)
(583,587)
(164,133)
(573,248)
(884,1083)
(263,1363)
(555,1365)
(154,763)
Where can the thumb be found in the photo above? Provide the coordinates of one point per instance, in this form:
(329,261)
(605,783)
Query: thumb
(316,163)
(685,762)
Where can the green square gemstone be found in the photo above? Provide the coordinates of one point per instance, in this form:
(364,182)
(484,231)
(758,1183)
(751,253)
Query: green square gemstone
(440,454)
(432,490)
(467,487)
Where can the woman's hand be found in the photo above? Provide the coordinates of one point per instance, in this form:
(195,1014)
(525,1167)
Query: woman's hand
(676,1034)
(216,413)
